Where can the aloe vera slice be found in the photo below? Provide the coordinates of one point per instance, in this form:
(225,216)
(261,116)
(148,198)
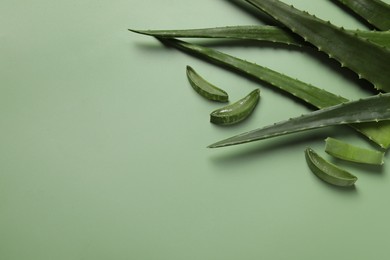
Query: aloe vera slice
(236,112)
(368,60)
(327,171)
(258,33)
(373,108)
(375,12)
(204,88)
(348,152)
(377,132)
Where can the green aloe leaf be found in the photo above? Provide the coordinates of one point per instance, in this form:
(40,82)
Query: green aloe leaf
(373,108)
(244,32)
(377,132)
(258,33)
(378,37)
(368,60)
(315,96)
(375,12)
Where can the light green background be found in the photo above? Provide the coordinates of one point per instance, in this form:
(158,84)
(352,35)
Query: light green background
(102,143)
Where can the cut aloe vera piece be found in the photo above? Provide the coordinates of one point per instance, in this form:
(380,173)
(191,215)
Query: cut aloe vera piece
(368,60)
(352,153)
(370,109)
(327,171)
(205,88)
(377,132)
(236,112)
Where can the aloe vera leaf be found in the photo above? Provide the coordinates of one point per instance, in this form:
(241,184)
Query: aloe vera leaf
(381,38)
(377,132)
(375,12)
(257,32)
(352,153)
(236,112)
(327,171)
(244,32)
(373,108)
(317,97)
(205,88)
(368,60)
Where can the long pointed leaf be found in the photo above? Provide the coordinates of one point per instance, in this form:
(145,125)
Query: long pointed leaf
(375,12)
(377,132)
(315,96)
(258,33)
(246,32)
(368,60)
(373,108)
